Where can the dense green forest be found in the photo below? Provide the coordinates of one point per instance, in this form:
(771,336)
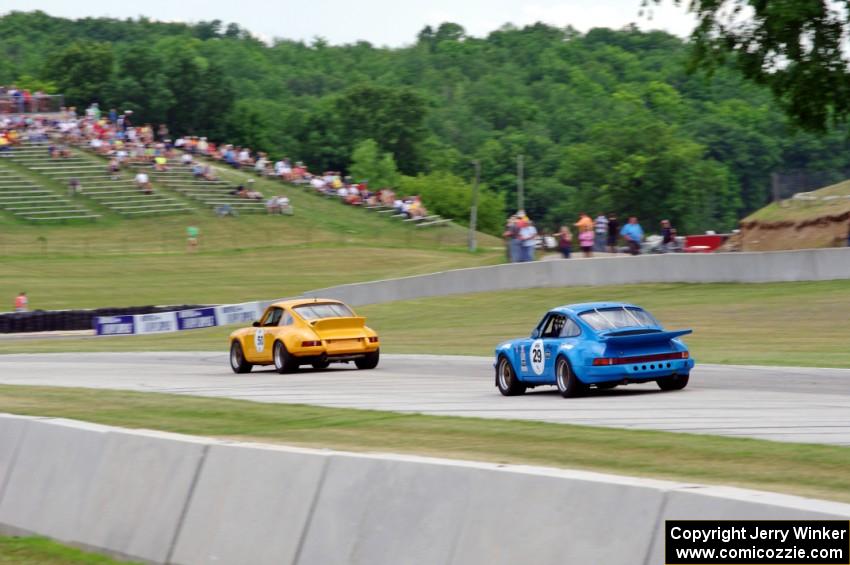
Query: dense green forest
(608,120)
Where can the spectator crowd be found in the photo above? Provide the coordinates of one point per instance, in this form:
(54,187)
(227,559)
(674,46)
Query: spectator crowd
(602,234)
(113,135)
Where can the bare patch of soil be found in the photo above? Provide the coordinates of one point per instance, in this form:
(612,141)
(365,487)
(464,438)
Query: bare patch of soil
(823,231)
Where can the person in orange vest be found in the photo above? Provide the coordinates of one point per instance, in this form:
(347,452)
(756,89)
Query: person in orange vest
(21,302)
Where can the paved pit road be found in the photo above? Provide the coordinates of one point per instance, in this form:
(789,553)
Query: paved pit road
(777,403)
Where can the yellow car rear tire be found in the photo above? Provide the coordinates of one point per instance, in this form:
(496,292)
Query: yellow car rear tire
(284,362)
(370,361)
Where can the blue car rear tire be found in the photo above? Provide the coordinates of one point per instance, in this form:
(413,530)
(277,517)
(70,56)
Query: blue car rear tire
(673,383)
(568,384)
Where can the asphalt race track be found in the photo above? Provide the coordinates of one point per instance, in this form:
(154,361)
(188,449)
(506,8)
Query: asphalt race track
(777,403)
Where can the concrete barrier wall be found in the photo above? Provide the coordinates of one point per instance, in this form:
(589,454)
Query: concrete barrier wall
(250,505)
(773,266)
(176,499)
(101,487)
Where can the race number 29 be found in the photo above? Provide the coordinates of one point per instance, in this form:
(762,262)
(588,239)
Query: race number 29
(537,362)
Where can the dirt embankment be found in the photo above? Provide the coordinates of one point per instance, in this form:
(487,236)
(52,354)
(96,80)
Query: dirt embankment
(822,231)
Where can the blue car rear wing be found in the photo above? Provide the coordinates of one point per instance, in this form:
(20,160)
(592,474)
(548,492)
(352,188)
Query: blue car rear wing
(643,338)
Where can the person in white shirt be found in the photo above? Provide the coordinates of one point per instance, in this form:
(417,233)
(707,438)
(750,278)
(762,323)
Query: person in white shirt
(528,241)
(601,232)
(143,182)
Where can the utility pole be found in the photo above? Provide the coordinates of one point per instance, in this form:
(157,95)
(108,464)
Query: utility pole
(473,212)
(774,186)
(520,193)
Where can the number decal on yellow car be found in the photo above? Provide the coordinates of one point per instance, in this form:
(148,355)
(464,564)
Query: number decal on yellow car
(259,341)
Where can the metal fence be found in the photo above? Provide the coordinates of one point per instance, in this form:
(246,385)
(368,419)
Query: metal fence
(34,104)
(786,184)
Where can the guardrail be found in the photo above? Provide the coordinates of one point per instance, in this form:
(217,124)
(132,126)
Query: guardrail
(36,104)
(749,267)
(167,498)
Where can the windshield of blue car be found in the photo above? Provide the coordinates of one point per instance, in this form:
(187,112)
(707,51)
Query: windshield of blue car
(602,319)
(323,310)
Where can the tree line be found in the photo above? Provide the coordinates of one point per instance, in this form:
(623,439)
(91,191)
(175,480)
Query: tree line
(608,120)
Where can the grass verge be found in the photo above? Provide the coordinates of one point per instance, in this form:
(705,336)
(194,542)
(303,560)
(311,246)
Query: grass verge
(802,324)
(42,551)
(226,276)
(809,470)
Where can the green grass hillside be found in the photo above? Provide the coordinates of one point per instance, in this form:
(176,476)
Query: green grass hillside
(230,275)
(316,220)
(119,261)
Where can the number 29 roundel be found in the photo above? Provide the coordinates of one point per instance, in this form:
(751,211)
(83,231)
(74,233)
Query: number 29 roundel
(537,362)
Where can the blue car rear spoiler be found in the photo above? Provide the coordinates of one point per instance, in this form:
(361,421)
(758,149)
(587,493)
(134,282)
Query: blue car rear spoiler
(642,338)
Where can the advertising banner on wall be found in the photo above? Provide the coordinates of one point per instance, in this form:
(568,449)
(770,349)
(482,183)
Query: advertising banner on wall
(244,313)
(114,325)
(155,323)
(193,319)
(196,319)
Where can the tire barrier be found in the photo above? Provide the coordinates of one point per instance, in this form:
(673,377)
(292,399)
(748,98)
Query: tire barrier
(166,498)
(71,320)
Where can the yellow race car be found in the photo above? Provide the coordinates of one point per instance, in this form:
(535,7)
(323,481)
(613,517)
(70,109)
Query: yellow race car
(312,331)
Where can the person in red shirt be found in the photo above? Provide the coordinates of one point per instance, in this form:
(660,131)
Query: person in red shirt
(21,302)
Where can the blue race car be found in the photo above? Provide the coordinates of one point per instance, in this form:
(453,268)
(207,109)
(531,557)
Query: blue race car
(599,344)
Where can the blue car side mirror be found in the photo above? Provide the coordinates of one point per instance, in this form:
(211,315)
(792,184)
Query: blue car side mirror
(535,334)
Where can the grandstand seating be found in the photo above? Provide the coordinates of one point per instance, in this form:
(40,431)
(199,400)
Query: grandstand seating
(120,195)
(213,193)
(432,220)
(26,200)
(421,222)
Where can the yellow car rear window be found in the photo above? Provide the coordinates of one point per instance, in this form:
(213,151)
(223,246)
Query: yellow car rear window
(327,310)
